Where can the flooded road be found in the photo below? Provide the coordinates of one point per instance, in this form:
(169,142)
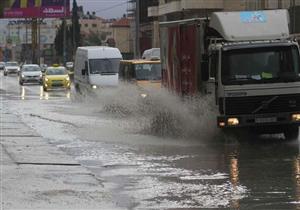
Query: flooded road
(164,153)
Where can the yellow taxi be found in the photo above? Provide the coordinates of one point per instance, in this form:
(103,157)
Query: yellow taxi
(144,73)
(56,77)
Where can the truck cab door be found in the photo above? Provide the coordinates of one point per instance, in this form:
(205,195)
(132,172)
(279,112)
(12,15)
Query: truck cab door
(213,74)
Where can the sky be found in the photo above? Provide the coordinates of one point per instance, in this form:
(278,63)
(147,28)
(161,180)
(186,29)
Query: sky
(104,8)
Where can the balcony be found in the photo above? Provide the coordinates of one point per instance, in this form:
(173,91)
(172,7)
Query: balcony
(177,6)
(153,11)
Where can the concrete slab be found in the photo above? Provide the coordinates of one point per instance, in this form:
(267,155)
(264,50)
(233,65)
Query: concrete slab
(38,175)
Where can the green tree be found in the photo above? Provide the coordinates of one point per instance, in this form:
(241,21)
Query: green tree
(93,39)
(76,38)
(73,35)
(59,39)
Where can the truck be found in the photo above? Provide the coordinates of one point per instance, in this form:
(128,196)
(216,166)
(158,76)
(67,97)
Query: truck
(247,60)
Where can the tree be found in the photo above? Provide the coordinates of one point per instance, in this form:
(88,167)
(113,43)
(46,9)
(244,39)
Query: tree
(93,39)
(73,35)
(76,38)
(58,42)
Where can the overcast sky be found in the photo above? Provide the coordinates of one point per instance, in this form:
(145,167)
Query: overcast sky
(104,8)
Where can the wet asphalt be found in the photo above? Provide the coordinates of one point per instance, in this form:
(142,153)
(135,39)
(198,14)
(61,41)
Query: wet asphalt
(147,159)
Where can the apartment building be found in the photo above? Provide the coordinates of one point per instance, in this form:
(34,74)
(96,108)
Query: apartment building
(168,10)
(181,9)
(121,36)
(96,25)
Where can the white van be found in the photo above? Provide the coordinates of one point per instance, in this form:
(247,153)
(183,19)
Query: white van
(151,54)
(96,67)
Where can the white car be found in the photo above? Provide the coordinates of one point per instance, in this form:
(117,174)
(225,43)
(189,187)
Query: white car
(31,73)
(2,65)
(11,68)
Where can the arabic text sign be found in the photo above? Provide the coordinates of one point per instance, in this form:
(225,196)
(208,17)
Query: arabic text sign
(37,9)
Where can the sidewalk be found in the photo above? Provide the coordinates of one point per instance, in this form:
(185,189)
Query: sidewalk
(38,175)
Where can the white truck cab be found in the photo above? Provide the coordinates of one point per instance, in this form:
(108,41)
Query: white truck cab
(256,68)
(96,67)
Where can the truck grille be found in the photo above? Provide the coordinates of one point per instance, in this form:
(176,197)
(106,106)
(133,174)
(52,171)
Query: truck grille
(262,104)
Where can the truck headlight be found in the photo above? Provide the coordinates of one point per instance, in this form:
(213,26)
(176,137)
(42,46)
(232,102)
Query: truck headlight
(296,117)
(94,86)
(233,121)
(143,95)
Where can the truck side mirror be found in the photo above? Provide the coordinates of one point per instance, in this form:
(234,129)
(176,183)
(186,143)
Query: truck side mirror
(204,71)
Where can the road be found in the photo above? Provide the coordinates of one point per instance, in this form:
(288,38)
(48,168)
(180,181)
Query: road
(160,153)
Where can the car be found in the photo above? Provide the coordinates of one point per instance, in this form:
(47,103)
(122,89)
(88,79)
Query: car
(152,53)
(43,67)
(69,65)
(31,73)
(2,65)
(70,68)
(11,67)
(56,77)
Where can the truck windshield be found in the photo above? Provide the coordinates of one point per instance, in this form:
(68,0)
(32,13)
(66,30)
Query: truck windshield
(108,65)
(260,65)
(148,71)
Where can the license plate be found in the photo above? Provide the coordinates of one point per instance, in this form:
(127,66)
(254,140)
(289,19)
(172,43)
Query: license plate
(266,120)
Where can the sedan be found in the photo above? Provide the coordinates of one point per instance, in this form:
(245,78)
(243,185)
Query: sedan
(2,65)
(56,77)
(31,73)
(11,68)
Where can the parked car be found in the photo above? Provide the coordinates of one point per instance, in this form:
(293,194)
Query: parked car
(31,73)
(43,67)
(2,65)
(56,77)
(11,67)
(152,53)
(70,68)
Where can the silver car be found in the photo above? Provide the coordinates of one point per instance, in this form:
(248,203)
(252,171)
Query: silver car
(31,73)
(11,68)
(2,65)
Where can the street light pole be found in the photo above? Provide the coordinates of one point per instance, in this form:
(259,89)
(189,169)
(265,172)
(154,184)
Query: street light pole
(137,29)
(65,34)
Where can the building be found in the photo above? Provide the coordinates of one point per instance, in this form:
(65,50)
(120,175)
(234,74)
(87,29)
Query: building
(18,35)
(148,25)
(121,35)
(171,10)
(97,25)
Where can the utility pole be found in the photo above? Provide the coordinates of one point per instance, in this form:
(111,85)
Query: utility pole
(294,16)
(65,34)
(34,39)
(137,30)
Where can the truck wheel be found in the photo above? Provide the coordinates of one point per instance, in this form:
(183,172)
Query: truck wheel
(291,133)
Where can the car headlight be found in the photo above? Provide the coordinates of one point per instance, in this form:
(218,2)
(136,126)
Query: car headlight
(22,75)
(94,86)
(46,79)
(68,78)
(41,75)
